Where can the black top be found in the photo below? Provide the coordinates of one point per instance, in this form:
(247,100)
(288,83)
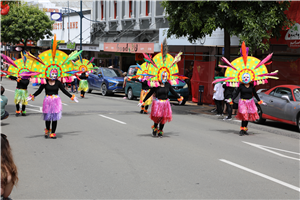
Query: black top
(145,85)
(52,89)
(162,92)
(228,91)
(246,93)
(83,76)
(22,84)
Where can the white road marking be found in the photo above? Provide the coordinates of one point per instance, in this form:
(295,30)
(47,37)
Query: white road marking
(262,175)
(41,108)
(9,90)
(112,119)
(34,110)
(64,104)
(265,148)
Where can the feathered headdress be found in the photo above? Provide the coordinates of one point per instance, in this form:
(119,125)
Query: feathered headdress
(142,72)
(163,64)
(249,66)
(84,65)
(21,67)
(52,59)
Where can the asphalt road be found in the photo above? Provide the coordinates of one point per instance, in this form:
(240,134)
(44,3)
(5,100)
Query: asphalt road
(104,150)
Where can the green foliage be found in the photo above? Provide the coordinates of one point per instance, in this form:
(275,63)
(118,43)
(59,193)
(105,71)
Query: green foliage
(23,23)
(255,22)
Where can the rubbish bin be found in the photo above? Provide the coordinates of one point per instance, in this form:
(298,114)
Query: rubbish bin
(201,90)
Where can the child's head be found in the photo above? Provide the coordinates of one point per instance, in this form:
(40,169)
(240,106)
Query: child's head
(2,90)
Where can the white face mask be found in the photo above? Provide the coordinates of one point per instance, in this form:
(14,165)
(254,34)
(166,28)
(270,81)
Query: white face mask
(53,74)
(164,77)
(246,78)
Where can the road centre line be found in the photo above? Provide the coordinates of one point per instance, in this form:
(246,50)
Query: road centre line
(9,90)
(262,175)
(112,119)
(34,110)
(265,148)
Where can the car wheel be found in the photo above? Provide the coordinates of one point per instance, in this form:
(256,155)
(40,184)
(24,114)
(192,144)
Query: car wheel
(104,90)
(130,94)
(260,120)
(90,91)
(298,122)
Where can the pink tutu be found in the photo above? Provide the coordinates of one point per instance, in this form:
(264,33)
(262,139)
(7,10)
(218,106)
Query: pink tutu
(247,110)
(161,111)
(52,108)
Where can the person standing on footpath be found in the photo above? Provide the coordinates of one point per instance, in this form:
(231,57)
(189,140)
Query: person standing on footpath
(4,113)
(228,91)
(218,96)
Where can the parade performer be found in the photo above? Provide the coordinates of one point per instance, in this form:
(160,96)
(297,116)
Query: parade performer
(245,73)
(53,64)
(20,71)
(142,76)
(163,72)
(84,66)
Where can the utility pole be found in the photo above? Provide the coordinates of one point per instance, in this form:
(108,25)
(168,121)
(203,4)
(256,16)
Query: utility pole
(81,15)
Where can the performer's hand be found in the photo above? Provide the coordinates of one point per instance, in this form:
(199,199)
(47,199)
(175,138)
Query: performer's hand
(180,102)
(141,104)
(29,98)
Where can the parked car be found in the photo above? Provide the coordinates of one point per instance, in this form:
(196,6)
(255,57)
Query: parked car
(282,104)
(133,88)
(106,80)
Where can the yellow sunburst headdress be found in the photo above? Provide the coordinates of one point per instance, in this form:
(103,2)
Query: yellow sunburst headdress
(51,61)
(162,67)
(84,65)
(246,68)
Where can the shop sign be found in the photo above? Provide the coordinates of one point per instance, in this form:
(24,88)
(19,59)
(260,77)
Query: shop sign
(71,45)
(56,16)
(88,48)
(62,46)
(292,37)
(129,47)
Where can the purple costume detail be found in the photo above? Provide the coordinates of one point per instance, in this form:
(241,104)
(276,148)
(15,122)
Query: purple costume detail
(52,108)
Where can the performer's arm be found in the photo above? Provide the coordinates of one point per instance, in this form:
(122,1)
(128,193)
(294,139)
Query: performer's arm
(42,86)
(149,94)
(13,77)
(173,91)
(255,94)
(62,88)
(236,94)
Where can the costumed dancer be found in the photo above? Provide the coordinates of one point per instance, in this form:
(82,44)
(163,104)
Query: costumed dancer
(241,73)
(53,64)
(163,72)
(20,71)
(142,76)
(84,66)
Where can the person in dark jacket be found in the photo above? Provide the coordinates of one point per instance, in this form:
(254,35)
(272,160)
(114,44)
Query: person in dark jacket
(228,91)
(83,84)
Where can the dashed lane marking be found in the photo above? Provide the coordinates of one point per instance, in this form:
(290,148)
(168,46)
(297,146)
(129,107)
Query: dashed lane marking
(262,175)
(112,119)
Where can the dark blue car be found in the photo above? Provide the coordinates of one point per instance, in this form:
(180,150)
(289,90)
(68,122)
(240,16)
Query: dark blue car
(108,81)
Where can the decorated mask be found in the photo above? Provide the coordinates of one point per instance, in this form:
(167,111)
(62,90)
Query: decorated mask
(53,74)
(246,78)
(164,77)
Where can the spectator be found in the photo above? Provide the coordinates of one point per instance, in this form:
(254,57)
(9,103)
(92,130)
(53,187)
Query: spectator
(235,102)
(227,95)
(74,85)
(9,173)
(4,113)
(218,95)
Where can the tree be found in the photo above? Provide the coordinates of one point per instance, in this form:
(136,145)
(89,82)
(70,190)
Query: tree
(23,23)
(254,22)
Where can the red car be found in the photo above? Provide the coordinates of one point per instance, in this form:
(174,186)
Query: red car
(283,105)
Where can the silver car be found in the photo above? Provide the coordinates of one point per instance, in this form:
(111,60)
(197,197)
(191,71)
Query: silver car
(283,105)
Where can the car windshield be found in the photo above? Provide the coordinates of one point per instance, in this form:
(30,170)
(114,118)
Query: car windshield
(297,94)
(132,71)
(111,72)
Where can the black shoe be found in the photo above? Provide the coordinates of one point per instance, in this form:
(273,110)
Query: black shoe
(245,133)
(17,114)
(23,114)
(154,133)
(241,133)
(141,111)
(159,135)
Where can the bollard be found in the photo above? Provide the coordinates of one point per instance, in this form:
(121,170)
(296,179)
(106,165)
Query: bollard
(201,90)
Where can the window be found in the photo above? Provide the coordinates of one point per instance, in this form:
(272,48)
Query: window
(284,91)
(102,10)
(132,71)
(147,8)
(115,9)
(273,92)
(297,94)
(130,9)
